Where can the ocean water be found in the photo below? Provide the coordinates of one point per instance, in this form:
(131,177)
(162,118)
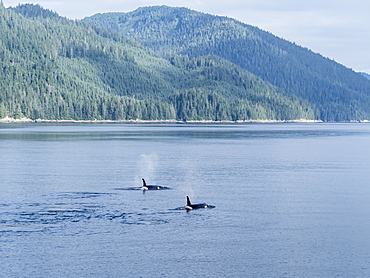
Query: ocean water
(291,200)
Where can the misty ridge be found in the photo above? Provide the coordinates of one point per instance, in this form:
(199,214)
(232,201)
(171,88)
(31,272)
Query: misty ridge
(165,63)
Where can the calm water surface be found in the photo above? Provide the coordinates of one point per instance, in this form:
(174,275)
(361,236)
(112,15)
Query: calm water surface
(292,200)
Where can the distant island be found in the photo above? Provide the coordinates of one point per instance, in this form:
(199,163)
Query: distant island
(159,64)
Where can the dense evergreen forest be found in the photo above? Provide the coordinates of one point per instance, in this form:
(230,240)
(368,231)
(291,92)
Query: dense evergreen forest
(338,93)
(56,68)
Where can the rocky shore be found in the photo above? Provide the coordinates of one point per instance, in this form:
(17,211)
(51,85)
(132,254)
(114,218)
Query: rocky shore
(27,120)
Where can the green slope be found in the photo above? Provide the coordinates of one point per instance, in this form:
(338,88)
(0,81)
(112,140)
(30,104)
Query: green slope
(339,93)
(55,68)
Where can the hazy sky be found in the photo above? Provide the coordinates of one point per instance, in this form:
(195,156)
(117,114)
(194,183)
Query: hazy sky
(338,29)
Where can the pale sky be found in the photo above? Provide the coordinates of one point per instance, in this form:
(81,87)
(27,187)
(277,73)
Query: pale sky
(337,29)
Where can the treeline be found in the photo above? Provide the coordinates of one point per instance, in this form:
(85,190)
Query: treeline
(193,105)
(187,106)
(55,68)
(338,93)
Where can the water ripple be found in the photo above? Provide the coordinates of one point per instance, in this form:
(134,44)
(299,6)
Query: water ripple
(70,207)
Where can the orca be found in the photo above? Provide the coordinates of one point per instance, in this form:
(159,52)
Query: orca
(190,206)
(152,187)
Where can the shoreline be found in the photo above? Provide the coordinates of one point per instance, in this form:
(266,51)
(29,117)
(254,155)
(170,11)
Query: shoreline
(27,120)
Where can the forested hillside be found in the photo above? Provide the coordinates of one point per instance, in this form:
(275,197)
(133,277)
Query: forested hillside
(55,68)
(365,75)
(339,93)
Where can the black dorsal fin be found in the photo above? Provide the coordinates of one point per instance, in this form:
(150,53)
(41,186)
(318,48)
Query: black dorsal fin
(188,203)
(144,183)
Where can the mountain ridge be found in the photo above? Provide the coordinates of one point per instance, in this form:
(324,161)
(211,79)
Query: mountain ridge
(54,68)
(339,93)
